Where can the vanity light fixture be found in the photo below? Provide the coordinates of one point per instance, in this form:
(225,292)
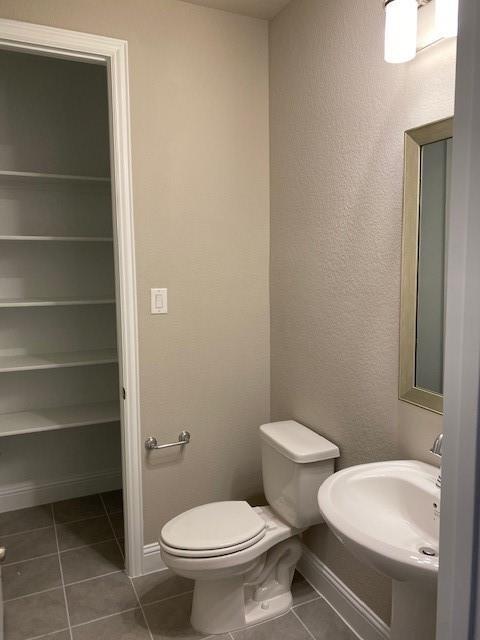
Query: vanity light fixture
(401,19)
(400,30)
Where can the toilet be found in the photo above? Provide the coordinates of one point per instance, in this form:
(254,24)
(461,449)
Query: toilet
(242,558)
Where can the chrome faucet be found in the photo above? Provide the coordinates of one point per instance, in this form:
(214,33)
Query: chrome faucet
(437,445)
(437,451)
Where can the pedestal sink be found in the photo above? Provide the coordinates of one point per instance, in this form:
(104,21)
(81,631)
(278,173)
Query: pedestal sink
(386,513)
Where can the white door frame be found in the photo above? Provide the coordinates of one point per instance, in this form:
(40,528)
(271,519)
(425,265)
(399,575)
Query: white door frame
(458,589)
(84,47)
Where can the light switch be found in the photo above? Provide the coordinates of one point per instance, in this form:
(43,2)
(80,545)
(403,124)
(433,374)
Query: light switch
(159,302)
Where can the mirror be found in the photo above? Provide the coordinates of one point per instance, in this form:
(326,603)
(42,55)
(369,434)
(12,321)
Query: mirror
(428,152)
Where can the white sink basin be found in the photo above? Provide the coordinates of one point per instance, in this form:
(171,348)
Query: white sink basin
(384,512)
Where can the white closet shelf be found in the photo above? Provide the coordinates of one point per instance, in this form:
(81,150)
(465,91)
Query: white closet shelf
(57,360)
(52,302)
(33,175)
(53,418)
(56,238)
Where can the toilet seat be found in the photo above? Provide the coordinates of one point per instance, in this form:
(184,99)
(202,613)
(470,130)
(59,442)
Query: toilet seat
(212,530)
(276,530)
(212,553)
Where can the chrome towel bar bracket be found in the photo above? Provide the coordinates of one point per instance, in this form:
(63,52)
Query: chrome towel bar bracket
(151,442)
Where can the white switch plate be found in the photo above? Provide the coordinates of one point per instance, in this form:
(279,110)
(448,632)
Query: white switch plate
(159,300)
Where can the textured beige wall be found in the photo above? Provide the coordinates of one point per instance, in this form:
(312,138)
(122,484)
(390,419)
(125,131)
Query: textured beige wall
(337,117)
(200,169)
(199,107)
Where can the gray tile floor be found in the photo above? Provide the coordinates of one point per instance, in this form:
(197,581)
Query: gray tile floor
(63,579)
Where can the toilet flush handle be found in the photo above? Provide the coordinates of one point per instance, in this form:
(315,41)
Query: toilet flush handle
(151,442)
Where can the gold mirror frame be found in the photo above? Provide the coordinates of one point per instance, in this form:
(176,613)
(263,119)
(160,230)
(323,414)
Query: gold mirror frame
(414,140)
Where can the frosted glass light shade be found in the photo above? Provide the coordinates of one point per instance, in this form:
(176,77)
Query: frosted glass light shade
(446,18)
(401,30)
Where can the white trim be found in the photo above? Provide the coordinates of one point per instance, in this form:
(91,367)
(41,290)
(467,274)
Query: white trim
(31,494)
(85,47)
(152,560)
(366,624)
(63,43)
(127,295)
(458,586)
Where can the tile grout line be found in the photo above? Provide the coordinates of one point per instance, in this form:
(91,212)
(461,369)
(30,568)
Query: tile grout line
(140,605)
(110,615)
(177,595)
(87,622)
(104,508)
(54,553)
(141,609)
(35,593)
(84,546)
(129,578)
(61,575)
(311,585)
(321,597)
(111,526)
(45,555)
(259,624)
(68,584)
(303,623)
(299,604)
(101,515)
(50,526)
(106,617)
(23,531)
(336,614)
(53,526)
(102,575)
(43,636)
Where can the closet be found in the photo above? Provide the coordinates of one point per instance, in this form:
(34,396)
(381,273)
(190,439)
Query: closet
(59,383)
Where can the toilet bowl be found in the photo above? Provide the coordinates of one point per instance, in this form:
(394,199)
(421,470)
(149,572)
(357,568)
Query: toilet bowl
(243,558)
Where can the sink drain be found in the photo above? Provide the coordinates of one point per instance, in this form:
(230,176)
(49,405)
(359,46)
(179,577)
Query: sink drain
(428,551)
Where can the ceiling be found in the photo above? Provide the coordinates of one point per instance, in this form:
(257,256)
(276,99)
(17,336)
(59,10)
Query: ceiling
(265,9)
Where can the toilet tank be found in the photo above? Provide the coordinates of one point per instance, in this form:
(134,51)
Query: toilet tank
(295,462)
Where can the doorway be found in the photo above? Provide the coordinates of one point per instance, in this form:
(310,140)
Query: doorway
(80,357)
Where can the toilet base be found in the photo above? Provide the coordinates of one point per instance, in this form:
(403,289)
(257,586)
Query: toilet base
(234,613)
(260,611)
(236,602)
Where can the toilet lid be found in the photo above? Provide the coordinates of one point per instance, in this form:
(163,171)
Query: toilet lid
(214,526)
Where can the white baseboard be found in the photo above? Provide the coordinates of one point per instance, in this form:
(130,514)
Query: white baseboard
(356,614)
(152,560)
(30,494)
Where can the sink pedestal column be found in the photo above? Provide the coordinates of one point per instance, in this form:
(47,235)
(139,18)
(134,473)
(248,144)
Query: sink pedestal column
(414,608)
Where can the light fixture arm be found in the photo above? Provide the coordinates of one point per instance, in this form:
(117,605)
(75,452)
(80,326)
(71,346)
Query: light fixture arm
(420,3)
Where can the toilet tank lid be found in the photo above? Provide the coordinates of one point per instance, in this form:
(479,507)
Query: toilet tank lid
(297,442)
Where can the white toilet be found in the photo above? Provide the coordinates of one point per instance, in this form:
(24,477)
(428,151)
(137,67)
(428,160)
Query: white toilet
(242,558)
